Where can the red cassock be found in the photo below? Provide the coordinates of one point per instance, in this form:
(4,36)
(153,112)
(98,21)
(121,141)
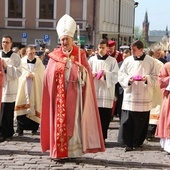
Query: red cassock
(117,55)
(59,104)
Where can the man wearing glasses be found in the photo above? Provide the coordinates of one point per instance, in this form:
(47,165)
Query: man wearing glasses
(11,64)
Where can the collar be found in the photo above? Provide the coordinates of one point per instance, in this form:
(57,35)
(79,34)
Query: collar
(7,54)
(140,58)
(31,61)
(103,57)
(67,52)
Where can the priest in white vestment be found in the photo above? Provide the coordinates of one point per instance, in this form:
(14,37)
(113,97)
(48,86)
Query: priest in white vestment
(28,101)
(105,73)
(137,76)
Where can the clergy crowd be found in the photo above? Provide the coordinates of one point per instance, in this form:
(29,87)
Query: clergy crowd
(72,94)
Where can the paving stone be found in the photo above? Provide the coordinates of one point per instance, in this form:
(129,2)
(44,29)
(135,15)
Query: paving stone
(25,153)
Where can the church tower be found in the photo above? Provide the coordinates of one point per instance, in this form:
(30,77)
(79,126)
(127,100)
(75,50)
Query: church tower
(146,28)
(165,39)
(166,32)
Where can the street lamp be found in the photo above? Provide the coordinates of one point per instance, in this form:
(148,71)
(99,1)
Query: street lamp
(135,6)
(118,38)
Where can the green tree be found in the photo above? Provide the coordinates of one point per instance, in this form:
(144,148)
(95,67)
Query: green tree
(138,35)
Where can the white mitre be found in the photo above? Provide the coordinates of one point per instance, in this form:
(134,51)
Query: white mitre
(66,26)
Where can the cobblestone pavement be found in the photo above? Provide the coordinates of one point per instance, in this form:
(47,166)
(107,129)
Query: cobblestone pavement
(25,153)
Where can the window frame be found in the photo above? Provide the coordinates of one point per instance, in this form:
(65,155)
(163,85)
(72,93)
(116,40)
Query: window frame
(8,20)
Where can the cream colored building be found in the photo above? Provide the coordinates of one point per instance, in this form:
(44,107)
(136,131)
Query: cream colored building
(34,21)
(115,18)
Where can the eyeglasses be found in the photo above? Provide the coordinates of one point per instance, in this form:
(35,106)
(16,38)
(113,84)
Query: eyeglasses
(5,42)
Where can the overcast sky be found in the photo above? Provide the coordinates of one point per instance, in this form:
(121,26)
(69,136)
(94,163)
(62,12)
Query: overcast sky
(158,14)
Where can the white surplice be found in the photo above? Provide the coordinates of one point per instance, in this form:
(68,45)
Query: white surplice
(138,95)
(105,87)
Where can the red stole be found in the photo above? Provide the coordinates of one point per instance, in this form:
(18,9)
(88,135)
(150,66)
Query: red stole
(65,107)
(60,124)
